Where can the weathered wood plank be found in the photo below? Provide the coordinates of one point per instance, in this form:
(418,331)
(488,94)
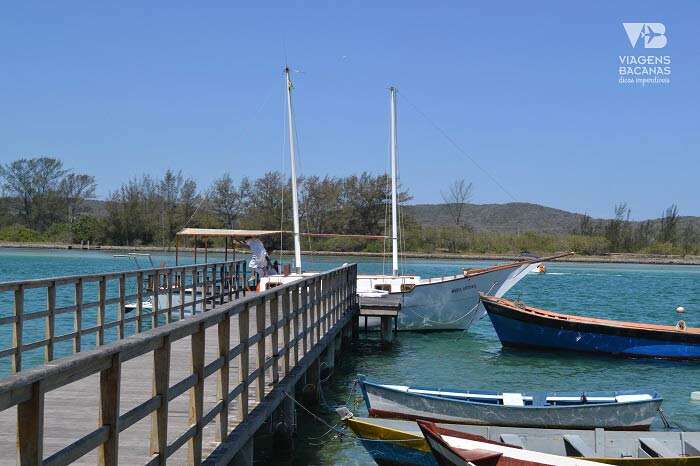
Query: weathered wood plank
(197,397)
(17,328)
(30,428)
(50,323)
(110,395)
(159,418)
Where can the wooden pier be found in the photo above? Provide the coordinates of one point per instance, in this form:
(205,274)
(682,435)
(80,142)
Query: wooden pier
(190,391)
(386,309)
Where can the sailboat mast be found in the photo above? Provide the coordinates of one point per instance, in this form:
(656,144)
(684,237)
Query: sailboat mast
(394,200)
(295,200)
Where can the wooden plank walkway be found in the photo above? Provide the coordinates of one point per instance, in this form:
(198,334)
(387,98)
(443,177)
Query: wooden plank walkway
(71,411)
(304,312)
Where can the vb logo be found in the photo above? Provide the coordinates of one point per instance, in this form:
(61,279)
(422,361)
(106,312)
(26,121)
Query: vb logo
(653,35)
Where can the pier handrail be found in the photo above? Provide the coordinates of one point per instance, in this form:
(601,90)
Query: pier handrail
(208,284)
(309,309)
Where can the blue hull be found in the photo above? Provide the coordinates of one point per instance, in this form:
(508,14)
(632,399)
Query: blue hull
(387,453)
(515,329)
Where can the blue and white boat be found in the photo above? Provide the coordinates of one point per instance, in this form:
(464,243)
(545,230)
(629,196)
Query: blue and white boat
(524,326)
(625,409)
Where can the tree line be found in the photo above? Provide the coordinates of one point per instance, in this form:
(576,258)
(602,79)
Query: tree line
(42,200)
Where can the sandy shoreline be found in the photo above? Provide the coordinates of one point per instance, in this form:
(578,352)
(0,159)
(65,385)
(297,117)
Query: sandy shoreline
(615,258)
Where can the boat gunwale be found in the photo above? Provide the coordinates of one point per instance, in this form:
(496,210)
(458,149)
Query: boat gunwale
(655,397)
(552,316)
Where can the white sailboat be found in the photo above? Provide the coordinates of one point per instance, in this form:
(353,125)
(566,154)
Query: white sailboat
(443,303)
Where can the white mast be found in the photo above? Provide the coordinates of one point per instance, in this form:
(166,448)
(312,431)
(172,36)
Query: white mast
(295,201)
(394,208)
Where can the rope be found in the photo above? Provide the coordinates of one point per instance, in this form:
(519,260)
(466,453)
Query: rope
(469,312)
(457,146)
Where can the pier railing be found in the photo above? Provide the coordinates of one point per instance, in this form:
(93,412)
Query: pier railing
(109,306)
(299,313)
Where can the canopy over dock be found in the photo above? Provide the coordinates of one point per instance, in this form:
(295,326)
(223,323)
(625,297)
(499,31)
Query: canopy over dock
(240,235)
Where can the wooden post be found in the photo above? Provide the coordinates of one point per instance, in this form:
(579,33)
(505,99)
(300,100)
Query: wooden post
(197,397)
(243,367)
(183,279)
(260,331)
(229,281)
(222,282)
(102,291)
(139,300)
(159,418)
(324,305)
(110,379)
(317,305)
(122,305)
(154,299)
(17,328)
(305,316)
(286,329)
(245,277)
(213,286)
(78,316)
(177,250)
(237,279)
(224,331)
(295,313)
(50,321)
(312,312)
(205,286)
(274,320)
(195,279)
(30,428)
(169,315)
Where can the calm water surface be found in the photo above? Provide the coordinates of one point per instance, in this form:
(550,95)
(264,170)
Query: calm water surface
(472,359)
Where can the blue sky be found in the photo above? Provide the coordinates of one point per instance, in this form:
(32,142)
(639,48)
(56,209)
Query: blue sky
(528,89)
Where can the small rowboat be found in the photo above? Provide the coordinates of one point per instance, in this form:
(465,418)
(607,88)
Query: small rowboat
(393,442)
(453,448)
(629,410)
(524,326)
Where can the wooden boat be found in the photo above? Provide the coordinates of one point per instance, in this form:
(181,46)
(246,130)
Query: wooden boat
(391,442)
(453,448)
(524,326)
(628,409)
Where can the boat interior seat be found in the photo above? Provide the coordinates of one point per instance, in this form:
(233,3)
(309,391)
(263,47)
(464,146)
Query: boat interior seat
(512,440)
(654,448)
(539,399)
(634,397)
(576,446)
(513,399)
(691,448)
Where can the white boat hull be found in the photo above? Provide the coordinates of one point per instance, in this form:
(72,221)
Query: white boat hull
(446,303)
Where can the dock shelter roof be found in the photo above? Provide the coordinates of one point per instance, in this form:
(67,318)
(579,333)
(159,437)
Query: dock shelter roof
(222,232)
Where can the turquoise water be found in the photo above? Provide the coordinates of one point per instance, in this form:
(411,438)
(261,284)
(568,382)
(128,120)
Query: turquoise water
(472,359)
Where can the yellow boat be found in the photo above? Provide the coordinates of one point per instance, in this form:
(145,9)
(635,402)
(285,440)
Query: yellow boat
(393,442)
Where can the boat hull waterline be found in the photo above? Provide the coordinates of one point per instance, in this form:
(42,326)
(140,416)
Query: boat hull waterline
(404,403)
(524,326)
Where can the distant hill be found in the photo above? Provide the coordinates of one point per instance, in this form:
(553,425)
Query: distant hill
(513,217)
